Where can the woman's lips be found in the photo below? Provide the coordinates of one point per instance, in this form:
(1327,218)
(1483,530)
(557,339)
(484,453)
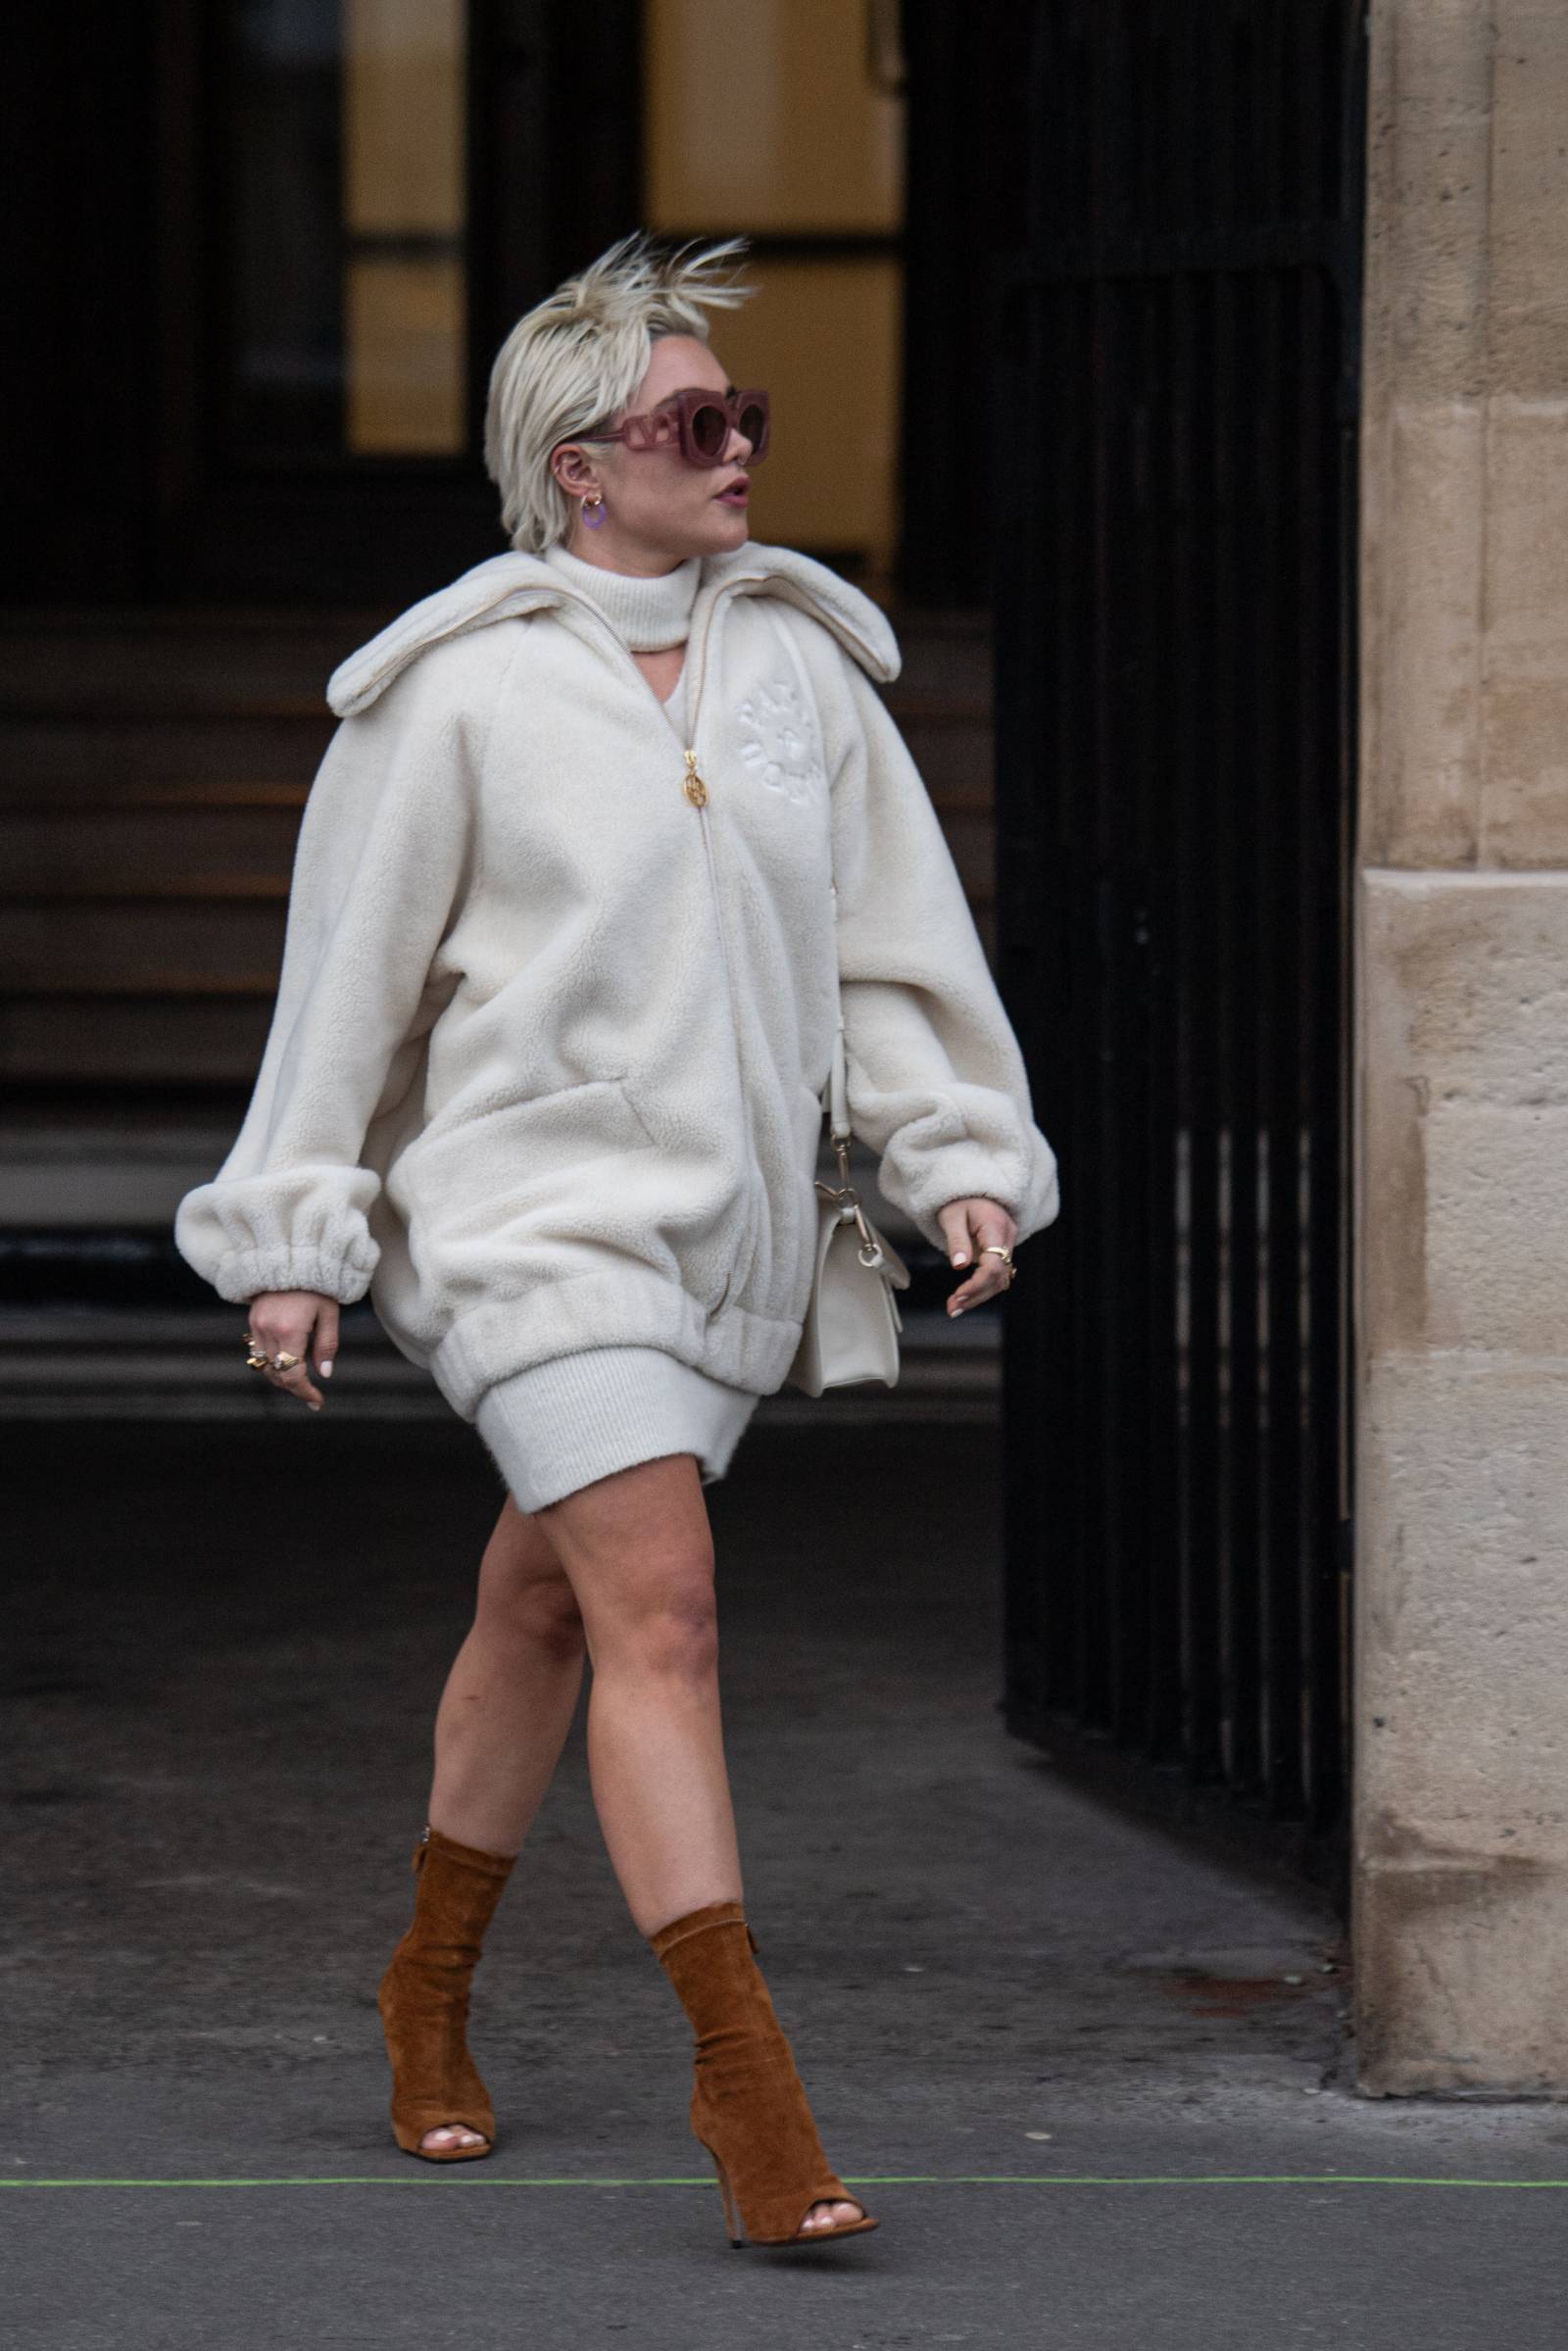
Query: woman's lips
(735,495)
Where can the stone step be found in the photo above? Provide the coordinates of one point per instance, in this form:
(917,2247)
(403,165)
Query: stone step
(105,1045)
(92,1173)
(153,766)
(86,1206)
(122,1364)
(70,760)
(151,661)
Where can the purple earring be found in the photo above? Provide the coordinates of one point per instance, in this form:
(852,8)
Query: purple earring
(592,519)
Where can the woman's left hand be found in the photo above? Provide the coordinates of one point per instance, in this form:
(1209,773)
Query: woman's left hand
(969,1227)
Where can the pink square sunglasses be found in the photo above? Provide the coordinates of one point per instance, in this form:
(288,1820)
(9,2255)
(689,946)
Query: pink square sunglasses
(701,423)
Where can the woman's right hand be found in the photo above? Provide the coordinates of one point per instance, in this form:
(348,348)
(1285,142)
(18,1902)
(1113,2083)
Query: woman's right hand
(287,1322)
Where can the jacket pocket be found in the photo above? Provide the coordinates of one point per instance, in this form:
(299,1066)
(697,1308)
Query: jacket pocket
(554,1162)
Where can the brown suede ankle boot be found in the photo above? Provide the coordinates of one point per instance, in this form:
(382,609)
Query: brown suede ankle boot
(748,2107)
(423,1997)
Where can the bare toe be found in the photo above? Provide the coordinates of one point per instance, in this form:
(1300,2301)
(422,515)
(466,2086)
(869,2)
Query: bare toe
(448,2134)
(831,2216)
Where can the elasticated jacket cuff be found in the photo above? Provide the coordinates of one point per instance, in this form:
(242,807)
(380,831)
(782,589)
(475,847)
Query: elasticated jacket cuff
(344,1275)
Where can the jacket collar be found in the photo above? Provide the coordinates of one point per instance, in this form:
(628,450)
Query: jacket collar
(505,587)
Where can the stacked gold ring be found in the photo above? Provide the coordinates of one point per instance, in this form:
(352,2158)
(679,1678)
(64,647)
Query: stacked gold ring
(993,1249)
(257,1360)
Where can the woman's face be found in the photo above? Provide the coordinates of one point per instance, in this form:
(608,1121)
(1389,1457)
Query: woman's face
(657,509)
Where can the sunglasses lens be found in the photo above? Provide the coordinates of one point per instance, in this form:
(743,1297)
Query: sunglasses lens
(710,429)
(753,423)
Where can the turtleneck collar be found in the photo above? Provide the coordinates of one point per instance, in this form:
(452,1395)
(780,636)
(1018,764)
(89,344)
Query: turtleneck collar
(648,613)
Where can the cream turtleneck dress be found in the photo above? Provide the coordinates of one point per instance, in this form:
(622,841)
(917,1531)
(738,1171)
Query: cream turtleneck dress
(563,1423)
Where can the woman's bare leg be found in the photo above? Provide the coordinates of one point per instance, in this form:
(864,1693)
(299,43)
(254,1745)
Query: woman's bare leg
(639,1551)
(507,1703)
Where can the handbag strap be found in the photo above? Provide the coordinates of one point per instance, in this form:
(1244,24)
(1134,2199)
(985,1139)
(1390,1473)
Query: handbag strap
(845,1196)
(839,1128)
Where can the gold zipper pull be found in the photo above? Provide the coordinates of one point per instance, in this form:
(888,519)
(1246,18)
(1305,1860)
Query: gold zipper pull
(694,787)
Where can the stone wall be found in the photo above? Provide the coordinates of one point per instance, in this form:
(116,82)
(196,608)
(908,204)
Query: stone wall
(1460,1910)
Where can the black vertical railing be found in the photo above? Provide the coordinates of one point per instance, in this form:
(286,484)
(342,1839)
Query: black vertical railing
(1175,422)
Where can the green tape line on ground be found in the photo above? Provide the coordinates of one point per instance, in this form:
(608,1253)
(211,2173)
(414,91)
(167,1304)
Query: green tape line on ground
(862,2180)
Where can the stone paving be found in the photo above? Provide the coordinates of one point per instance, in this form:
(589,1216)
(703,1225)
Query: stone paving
(1092,2075)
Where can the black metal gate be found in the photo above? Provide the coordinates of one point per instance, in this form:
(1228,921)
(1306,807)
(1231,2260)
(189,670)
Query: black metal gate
(1175,440)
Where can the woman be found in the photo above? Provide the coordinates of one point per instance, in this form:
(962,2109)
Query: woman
(555,1019)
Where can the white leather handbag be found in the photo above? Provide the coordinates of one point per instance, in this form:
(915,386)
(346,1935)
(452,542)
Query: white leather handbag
(853,1322)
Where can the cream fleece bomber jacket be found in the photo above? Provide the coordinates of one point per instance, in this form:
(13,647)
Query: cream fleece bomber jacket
(552,1028)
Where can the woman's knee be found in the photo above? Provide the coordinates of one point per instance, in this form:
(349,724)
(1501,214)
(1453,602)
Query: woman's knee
(525,1594)
(546,1616)
(664,1621)
(640,1551)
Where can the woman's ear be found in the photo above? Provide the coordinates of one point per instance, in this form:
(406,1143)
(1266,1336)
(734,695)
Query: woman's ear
(572,470)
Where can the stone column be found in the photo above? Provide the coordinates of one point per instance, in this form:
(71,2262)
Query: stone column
(1460,1901)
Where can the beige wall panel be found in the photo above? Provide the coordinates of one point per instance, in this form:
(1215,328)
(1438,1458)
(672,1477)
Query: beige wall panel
(1428,194)
(1527,293)
(1497,1248)
(1525,707)
(403,325)
(1525,804)
(1462,1811)
(404,114)
(1460,1911)
(765,114)
(824,339)
(1426,2022)
(1464,1111)
(1471,1441)
(1421,795)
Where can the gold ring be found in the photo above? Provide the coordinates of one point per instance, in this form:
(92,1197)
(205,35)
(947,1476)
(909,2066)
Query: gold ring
(285,1362)
(258,1362)
(993,1249)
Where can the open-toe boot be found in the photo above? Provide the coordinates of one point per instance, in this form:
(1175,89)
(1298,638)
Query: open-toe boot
(423,1997)
(748,2107)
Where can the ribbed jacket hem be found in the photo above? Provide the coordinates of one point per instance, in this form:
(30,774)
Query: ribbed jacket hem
(610,1309)
(577,1418)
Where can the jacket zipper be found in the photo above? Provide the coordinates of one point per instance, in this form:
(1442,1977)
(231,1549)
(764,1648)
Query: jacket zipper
(696,791)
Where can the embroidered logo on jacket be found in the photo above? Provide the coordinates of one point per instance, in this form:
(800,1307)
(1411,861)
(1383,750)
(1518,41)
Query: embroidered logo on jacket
(779,743)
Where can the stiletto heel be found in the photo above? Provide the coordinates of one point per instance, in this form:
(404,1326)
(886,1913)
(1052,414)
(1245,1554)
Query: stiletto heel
(423,1997)
(732,2225)
(748,2107)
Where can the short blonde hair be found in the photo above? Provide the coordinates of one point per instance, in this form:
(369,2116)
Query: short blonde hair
(576,357)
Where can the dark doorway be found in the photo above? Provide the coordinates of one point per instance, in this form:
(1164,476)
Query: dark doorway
(273,248)
(1178,357)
